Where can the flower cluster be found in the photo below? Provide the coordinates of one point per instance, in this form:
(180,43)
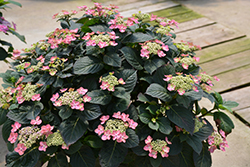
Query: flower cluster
(155,47)
(55,139)
(115,127)
(187,46)
(186,60)
(180,83)
(157,146)
(206,81)
(41,44)
(121,24)
(5,25)
(26,92)
(6,97)
(163,21)
(217,140)
(64,14)
(102,40)
(110,81)
(55,64)
(63,36)
(72,98)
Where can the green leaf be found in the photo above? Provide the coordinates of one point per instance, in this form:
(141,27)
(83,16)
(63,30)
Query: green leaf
(153,64)
(112,154)
(21,37)
(203,159)
(87,65)
(99,97)
(152,109)
(72,129)
(132,111)
(186,156)
(228,105)
(171,161)
(87,22)
(59,160)
(18,116)
(153,126)
(28,159)
(145,118)
(156,162)
(182,117)
(15,3)
(225,123)
(157,91)
(164,125)
(144,98)
(91,111)
(195,143)
(3,116)
(100,28)
(58,83)
(160,72)
(130,78)
(143,131)
(112,59)
(83,158)
(132,58)
(137,37)
(93,141)
(6,129)
(33,109)
(120,104)
(74,148)
(3,54)
(139,150)
(46,79)
(133,139)
(120,92)
(176,146)
(65,112)
(218,98)
(205,131)
(142,161)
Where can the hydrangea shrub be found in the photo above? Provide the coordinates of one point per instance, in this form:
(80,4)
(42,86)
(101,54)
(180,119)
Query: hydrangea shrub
(108,91)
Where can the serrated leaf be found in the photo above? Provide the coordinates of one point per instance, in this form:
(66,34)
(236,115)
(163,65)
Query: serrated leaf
(28,159)
(65,112)
(112,59)
(6,129)
(91,111)
(153,64)
(3,114)
(225,123)
(164,125)
(18,116)
(160,72)
(72,129)
(74,148)
(137,37)
(132,58)
(145,118)
(228,105)
(83,158)
(130,78)
(154,126)
(157,91)
(93,141)
(99,97)
(195,143)
(203,159)
(112,154)
(133,139)
(205,131)
(156,162)
(100,27)
(182,117)
(120,92)
(87,65)
(33,109)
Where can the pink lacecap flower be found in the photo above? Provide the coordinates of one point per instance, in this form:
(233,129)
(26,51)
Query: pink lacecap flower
(54,97)
(123,138)
(43,146)
(15,126)
(222,133)
(81,107)
(117,115)
(45,68)
(30,70)
(171,87)
(132,124)
(113,43)
(20,149)
(104,85)
(116,134)
(36,121)
(104,119)
(148,140)
(91,43)
(212,148)
(168,77)
(178,129)
(75,104)
(121,81)
(125,117)
(165,47)
(58,103)
(99,130)
(195,88)
(102,44)
(82,91)
(216,78)
(181,91)
(153,154)
(177,59)
(185,66)
(65,147)
(86,98)
(20,99)
(106,135)
(161,53)
(46,129)
(12,138)
(63,90)
(148,147)
(36,97)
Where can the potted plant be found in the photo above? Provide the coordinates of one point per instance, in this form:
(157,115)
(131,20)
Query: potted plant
(108,91)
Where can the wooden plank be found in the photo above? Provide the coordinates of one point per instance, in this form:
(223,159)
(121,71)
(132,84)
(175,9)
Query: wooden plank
(228,63)
(223,50)
(186,17)
(209,35)
(241,96)
(193,24)
(172,11)
(244,113)
(233,79)
(150,8)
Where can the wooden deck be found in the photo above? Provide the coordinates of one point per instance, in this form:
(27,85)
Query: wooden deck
(225,53)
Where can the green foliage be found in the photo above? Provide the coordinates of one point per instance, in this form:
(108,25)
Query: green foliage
(97,93)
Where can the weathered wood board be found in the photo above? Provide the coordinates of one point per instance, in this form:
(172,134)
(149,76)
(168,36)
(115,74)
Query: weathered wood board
(233,79)
(244,113)
(241,96)
(186,17)
(150,8)
(222,50)
(230,62)
(209,35)
(193,24)
(177,10)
